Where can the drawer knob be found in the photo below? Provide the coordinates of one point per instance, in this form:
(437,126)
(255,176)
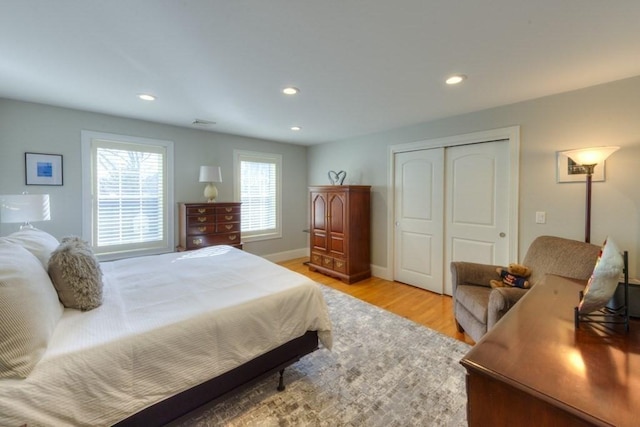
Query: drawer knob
(202,218)
(233,237)
(228,217)
(228,226)
(228,209)
(202,229)
(197,242)
(202,210)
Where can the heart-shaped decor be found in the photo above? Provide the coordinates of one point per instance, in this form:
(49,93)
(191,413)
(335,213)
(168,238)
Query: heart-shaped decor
(337,178)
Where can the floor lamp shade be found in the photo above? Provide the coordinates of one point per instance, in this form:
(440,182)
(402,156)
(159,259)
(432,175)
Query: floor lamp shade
(210,174)
(589,158)
(24,208)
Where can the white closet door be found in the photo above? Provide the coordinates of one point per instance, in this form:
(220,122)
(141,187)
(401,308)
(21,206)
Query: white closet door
(477,206)
(451,204)
(419,223)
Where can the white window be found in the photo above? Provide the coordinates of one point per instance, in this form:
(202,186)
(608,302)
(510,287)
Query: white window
(127,194)
(258,187)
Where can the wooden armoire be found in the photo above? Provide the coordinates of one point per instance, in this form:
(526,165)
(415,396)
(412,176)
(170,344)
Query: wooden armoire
(340,231)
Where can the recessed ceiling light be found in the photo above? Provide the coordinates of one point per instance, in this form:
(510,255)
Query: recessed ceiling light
(455,79)
(147,97)
(290,90)
(296,128)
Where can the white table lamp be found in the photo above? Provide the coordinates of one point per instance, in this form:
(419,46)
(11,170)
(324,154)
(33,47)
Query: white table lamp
(24,208)
(210,174)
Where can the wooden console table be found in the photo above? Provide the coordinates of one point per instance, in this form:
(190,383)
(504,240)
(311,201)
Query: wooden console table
(535,369)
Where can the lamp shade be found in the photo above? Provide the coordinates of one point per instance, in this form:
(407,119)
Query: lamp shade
(210,174)
(590,156)
(24,208)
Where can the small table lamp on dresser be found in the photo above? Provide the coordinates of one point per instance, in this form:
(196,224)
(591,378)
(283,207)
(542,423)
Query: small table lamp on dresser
(210,174)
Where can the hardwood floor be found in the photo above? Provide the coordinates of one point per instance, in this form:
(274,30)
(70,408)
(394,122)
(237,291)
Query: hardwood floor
(424,307)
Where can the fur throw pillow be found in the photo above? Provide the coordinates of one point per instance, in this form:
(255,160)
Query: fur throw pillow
(76,275)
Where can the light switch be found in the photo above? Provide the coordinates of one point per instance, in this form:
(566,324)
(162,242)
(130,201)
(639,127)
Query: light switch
(541,217)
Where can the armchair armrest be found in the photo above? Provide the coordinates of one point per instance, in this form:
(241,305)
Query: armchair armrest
(500,301)
(471,273)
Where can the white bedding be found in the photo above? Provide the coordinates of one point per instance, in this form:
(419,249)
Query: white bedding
(167,323)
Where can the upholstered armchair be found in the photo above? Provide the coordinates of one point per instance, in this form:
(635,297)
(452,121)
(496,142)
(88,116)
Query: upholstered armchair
(477,307)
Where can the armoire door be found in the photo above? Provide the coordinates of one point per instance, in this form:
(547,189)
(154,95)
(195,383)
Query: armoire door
(319,225)
(337,206)
(450,204)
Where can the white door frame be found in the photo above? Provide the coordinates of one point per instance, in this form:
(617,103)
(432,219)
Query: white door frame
(512,134)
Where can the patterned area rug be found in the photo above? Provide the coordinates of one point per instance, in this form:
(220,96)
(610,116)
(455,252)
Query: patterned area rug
(384,370)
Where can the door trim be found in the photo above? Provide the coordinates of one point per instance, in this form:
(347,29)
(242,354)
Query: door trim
(512,134)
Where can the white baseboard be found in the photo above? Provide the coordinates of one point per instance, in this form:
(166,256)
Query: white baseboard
(287,255)
(381,272)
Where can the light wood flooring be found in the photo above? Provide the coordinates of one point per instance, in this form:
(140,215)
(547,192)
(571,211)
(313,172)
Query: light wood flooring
(419,305)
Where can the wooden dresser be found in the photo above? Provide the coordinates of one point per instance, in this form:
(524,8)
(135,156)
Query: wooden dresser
(209,224)
(535,369)
(340,231)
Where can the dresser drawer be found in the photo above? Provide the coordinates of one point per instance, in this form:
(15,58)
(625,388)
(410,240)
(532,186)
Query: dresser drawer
(227,227)
(200,220)
(201,229)
(228,217)
(202,241)
(201,210)
(316,259)
(228,209)
(340,265)
(327,262)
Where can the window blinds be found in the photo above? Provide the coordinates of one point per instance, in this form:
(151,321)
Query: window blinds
(129,195)
(258,194)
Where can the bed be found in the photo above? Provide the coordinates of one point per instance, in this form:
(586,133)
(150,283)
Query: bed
(173,332)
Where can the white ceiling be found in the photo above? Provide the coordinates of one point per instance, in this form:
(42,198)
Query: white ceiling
(363,66)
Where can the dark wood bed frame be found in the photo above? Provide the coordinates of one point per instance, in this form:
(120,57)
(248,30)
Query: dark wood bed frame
(220,387)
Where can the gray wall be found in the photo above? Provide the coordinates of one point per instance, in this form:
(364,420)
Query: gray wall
(28,127)
(601,115)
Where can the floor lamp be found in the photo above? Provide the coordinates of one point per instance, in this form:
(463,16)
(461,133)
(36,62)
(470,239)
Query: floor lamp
(588,159)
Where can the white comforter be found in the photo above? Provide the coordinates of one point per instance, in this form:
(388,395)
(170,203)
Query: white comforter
(167,323)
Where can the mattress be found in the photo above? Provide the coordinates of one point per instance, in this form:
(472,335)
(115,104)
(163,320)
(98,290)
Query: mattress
(167,323)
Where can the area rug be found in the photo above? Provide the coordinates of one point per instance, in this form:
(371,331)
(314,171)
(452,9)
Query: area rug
(384,370)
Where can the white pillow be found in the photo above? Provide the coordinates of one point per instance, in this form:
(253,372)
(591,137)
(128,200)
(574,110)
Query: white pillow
(38,242)
(604,280)
(29,311)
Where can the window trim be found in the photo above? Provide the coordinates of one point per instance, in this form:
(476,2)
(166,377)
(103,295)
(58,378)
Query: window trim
(87,138)
(243,155)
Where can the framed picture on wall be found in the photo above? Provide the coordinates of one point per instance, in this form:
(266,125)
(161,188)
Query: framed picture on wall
(568,171)
(43,169)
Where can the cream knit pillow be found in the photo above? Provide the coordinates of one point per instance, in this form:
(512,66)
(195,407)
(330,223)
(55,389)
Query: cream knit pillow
(76,274)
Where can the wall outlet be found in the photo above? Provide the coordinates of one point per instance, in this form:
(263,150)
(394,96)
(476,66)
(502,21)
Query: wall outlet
(541,217)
